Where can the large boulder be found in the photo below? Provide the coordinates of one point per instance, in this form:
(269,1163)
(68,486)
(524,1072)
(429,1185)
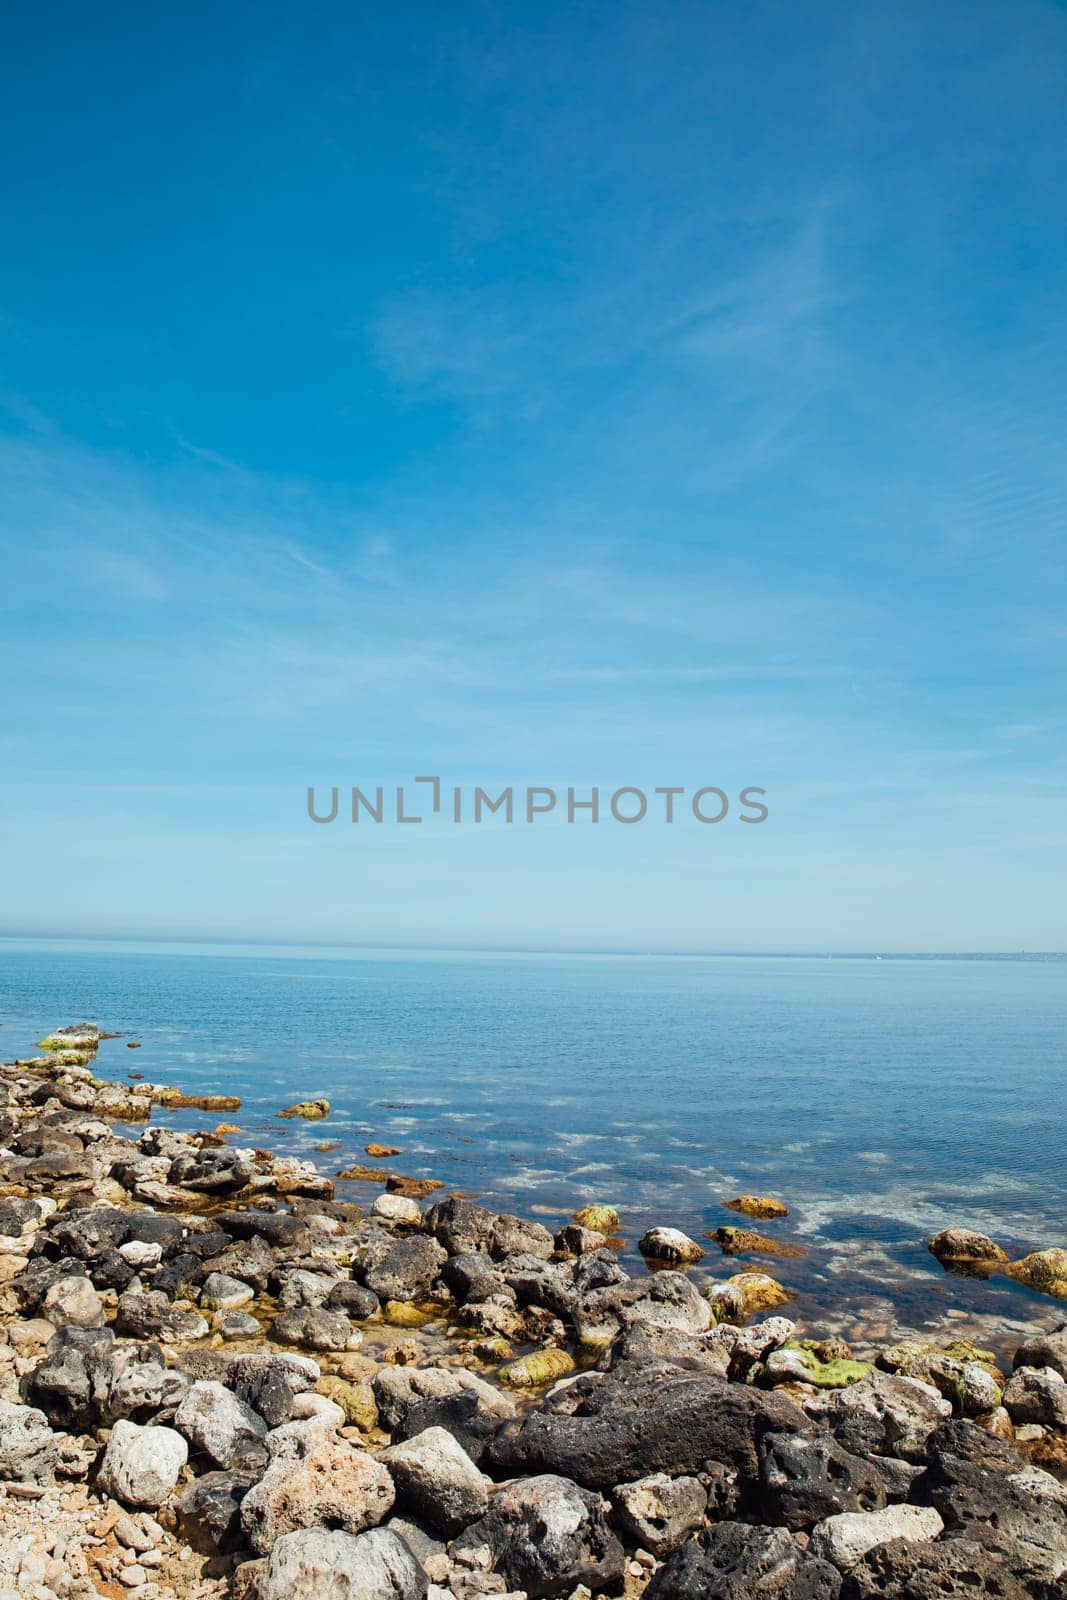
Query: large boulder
(545,1536)
(883,1414)
(843,1539)
(314,1564)
(806,1477)
(141,1465)
(437,1480)
(314,1478)
(948,1569)
(1019,1515)
(408,1270)
(1037,1394)
(737,1561)
(600,1432)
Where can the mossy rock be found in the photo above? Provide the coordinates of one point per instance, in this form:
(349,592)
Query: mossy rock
(744,1295)
(361,1174)
(760,1206)
(175,1100)
(308,1110)
(1044,1270)
(955,1246)
(536,1369)
(838,1373)
(355,1399)
(745,1242)
(602,1219)
(407,1314)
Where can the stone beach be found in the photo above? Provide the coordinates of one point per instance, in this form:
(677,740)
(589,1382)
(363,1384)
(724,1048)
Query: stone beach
(217,1378)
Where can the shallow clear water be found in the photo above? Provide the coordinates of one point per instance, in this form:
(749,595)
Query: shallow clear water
(882,1100)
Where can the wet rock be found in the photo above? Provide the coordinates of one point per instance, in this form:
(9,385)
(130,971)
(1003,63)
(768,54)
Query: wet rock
(313,1564)
(736,1561)
(412,1188)
(537,1368)
(574,1240)
(545,1536)
(279,1229)
(805,1478)
(141,1465)
(437,1480)
(213,1171)
(1044,1270)
(745,1295)
(600,1432)
(950,1569)
(354,1299)
(1045,1350)
(308,1110)
(671,1245)
(845,1538)
(314,1479)
(1037,1394)
(660,1511)
(512,1236)
(215,1422)
(408,1270)
(963,1245)
(315,1328)
(760,1206)
(28,1447)
(744,1242)
(602,1219)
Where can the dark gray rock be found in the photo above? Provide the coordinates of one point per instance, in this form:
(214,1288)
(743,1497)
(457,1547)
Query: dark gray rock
(460,1225)
(473,1277)
(152,1316)
(806,1477)
(1045,1350)
(354,1299)
(737,1561)
(1020,1516)
(409,1269)
(513,1236)
(315,1328)
(546,1536)
(600,1432)
(218,1171)
(949,1569)
(209,1512)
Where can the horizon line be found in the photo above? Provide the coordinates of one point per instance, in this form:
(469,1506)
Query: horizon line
(231,942)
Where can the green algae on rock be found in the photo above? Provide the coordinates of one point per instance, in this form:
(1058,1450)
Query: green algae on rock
(800,1361)
(745,1294)
(1044,1270)
(760,1206)
(602,1219)
(309,1110)
(744,1242)
(536,1369)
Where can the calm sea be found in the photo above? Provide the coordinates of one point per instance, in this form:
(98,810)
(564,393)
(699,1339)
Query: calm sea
(881,1099)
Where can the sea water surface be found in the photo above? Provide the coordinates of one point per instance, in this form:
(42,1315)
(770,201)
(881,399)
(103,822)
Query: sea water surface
(881,1099)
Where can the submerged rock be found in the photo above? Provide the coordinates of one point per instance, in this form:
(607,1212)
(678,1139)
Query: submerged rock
(309,1110)
(743,1242)
(602,1219)
(1044,1270)
(744,1295)
(760,1206)
(964,1245)
(537,1368)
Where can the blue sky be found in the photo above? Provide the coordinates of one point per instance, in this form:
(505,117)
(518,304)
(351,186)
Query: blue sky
(596,394)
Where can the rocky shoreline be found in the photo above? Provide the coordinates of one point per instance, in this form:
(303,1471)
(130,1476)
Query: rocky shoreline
(216,1379)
